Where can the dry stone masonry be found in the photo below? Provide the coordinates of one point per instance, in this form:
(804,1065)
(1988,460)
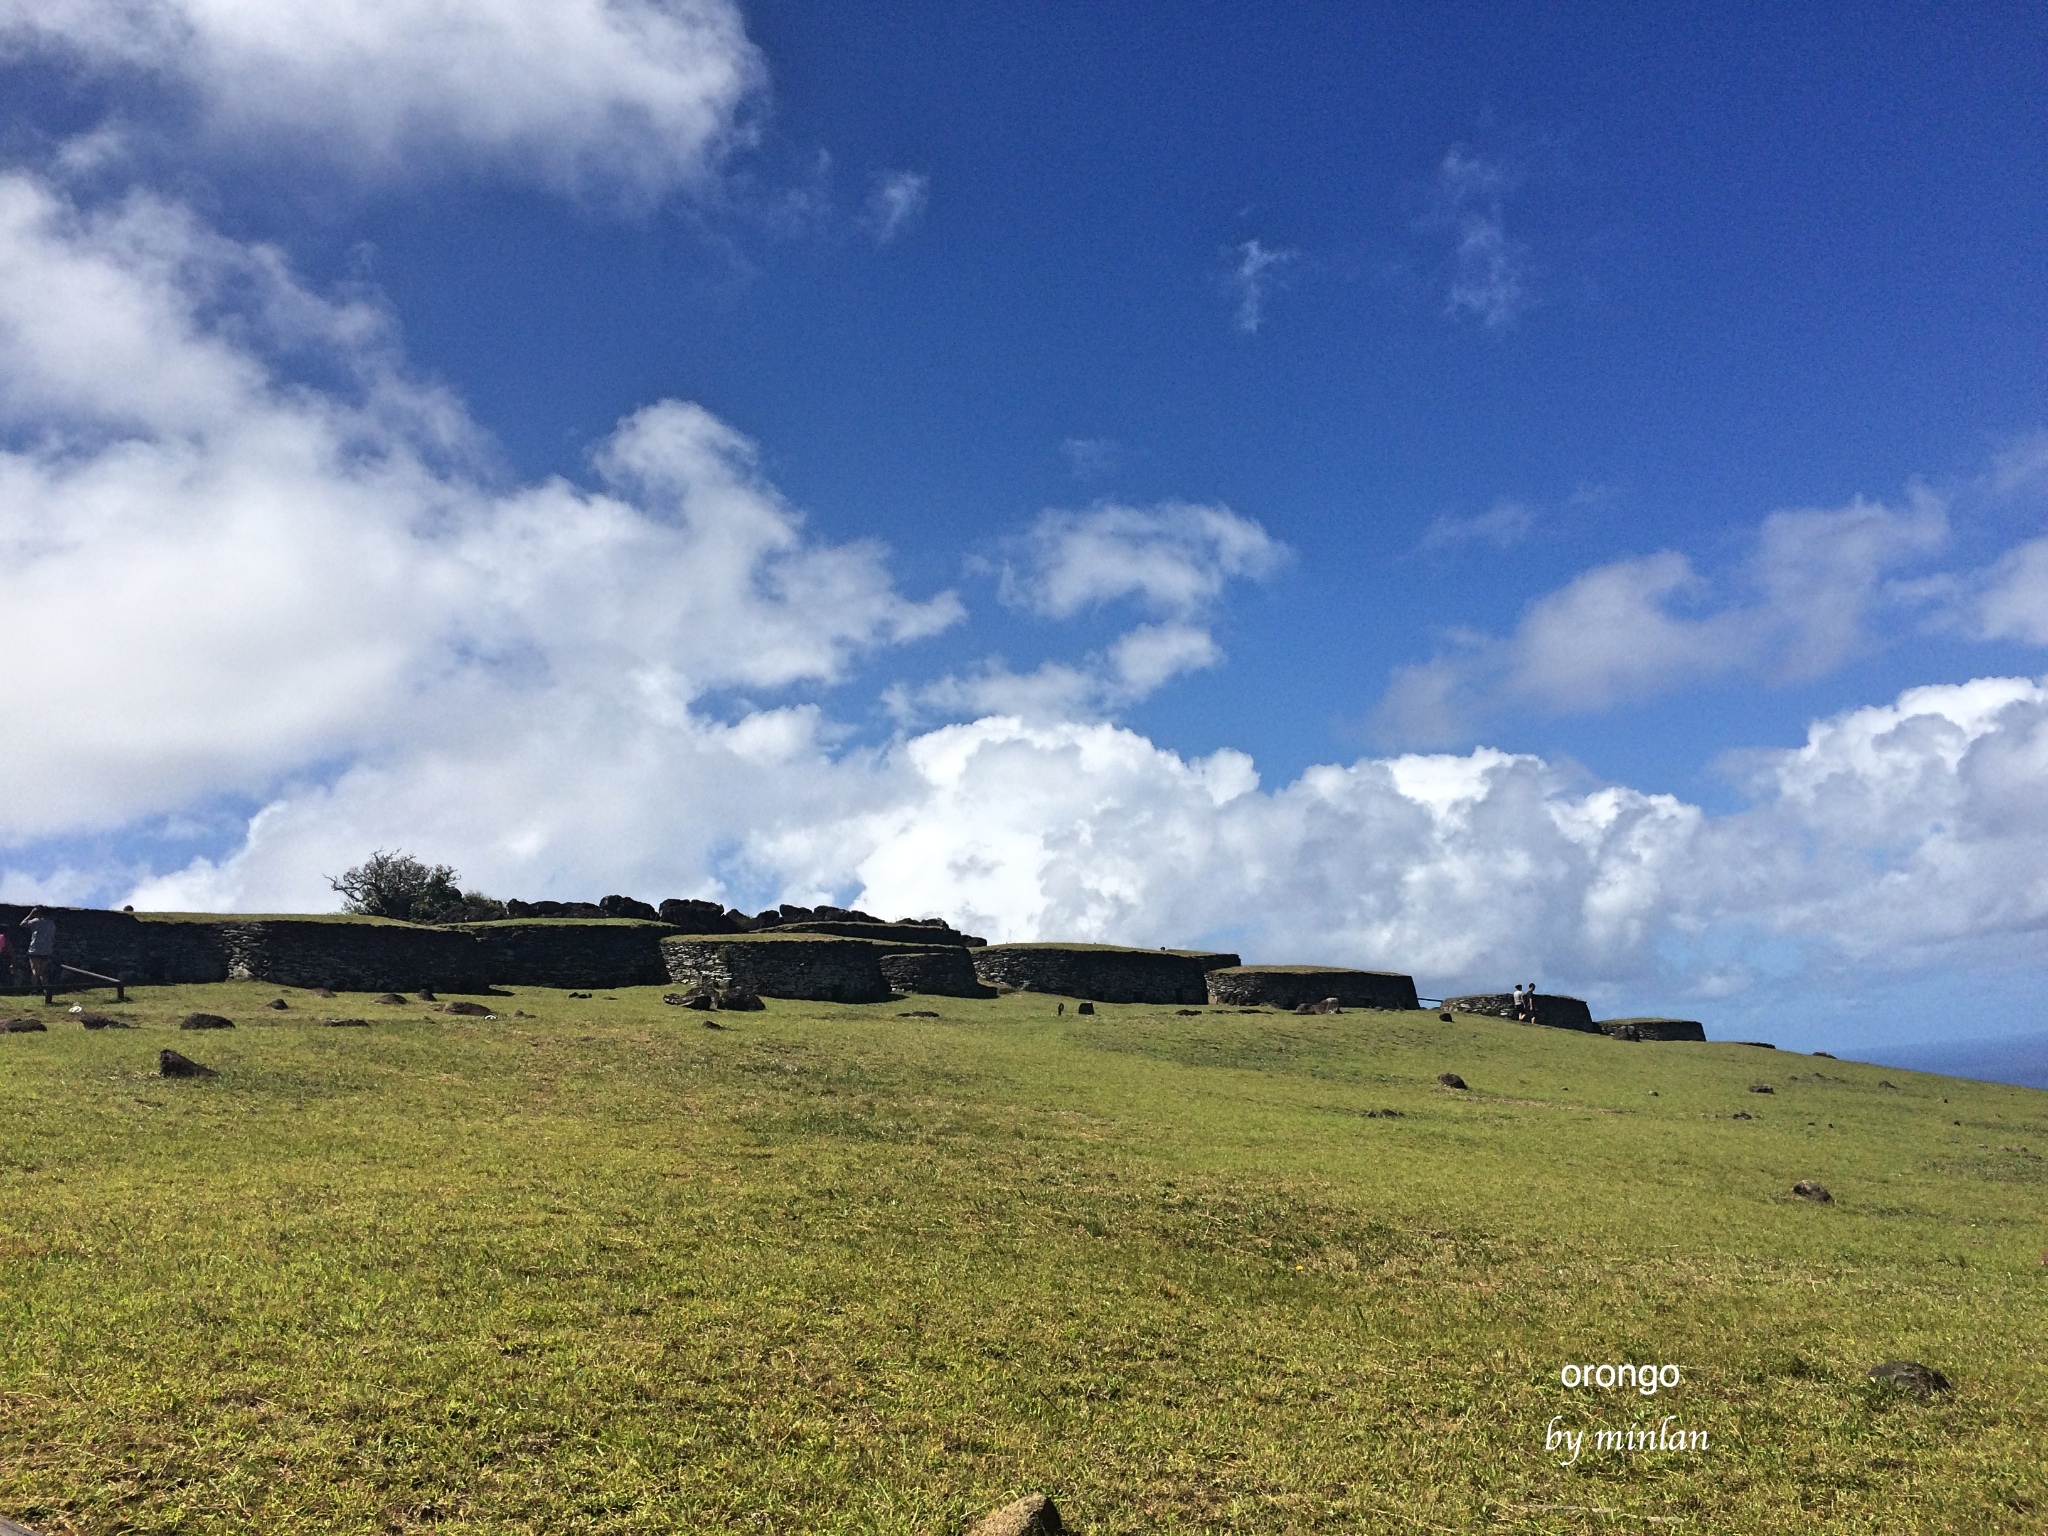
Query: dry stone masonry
(824,953)
(1290,986)
(1103,973)
(812,967)
(1654,1029)
(1551,1011)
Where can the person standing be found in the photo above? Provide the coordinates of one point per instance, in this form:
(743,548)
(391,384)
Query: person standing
(41,933)
(1518,1001)
(1529,1000)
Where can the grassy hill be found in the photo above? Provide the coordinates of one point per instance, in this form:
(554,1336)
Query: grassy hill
(830,1269)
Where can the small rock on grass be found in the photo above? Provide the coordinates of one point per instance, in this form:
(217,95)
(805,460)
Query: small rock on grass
(1808,1189)
(171,1064)
(1084,1008)
(25,1027)
(1032,1515)
(741,1000)
(427,995)
(206,1021)
(468,1010)
(389,999)
(323,991)
(1449,1080)
(277,1002)
(918,1013)
(1761,1088)
(1911,1377)
(346,1023)
(103,1021)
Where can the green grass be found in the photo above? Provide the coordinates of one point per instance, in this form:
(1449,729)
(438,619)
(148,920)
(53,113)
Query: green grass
(833,1270)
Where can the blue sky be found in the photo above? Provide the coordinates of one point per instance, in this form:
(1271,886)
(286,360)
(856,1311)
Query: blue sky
(1499,434)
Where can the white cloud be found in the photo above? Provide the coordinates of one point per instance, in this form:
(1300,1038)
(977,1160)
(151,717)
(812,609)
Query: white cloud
(1490,281)
(895,201)
(245,577)
(1090,458)
(1258,268)
(1634,629)
(1503,524)
(1174,558)
(614,97)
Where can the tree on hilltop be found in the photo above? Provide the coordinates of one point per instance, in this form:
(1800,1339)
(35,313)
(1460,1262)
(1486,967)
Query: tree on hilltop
(396,884)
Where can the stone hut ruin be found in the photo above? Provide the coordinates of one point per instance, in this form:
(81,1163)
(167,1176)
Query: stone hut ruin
(810,967)
(1654,1029)
(943,972)
(572,952)
(1552,1011)
(1289,986)
(1101,973)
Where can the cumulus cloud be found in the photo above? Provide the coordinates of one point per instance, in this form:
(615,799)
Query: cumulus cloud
(1893,836)
(1174,558)
(895,201)
(615,97)
(1490,271)
(1258,268)
(246,576)
(1633,629)
(1172,561)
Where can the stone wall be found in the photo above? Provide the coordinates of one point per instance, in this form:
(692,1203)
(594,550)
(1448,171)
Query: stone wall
(890,933)
(354,955)
(946,971)
(135,948)
(1551,1011)
(1102,973)
(1289,986)
(811,967)
(1654,1029)
(573,952)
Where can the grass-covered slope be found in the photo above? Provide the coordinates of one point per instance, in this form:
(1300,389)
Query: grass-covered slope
(833,1270)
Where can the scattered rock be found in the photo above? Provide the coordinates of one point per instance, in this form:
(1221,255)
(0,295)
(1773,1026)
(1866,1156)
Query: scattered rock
(467,1010)
(521,1013)
(1911,1377)
(626,906)
(1807,1189)
(1761,1088)
(1445,1016)
(1762,1045)
(1032,1515)
(323,991)
(390,999)
(584,995)
(1449,1080)
(346,1023)
(426,996)
(918,1013)
(713,1024)
(103,1021)
(1187,1013)
(1742,1114)
(277,1002)
(206,1021)
(1828,1055)
(1382,1114)
(1893,1086)
(740,1000)
(1084,1008)
(171,1064)
(32,1027)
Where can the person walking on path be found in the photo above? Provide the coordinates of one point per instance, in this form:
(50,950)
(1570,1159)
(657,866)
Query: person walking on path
(1529,1001)
(41,932)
